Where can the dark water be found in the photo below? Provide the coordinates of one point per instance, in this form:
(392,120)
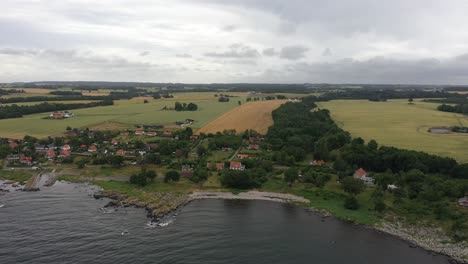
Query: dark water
(63,224)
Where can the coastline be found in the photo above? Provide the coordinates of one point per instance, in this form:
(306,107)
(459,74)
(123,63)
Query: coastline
(162,204)
(430,239)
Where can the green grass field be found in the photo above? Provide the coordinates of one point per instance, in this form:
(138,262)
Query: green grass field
(124,113)
(397,123)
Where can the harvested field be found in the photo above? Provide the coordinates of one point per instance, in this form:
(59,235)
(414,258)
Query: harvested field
(252,115)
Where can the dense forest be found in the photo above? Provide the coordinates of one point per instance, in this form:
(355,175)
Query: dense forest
(460,108)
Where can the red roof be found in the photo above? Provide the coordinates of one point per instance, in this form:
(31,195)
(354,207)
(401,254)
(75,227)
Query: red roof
(139,131)
(13,145)
(83,146)
(51,153)
(220,166)
(242,156)
(26,159)
(92,148)
(361,172)
(235,164)
(66,147)
(64,152)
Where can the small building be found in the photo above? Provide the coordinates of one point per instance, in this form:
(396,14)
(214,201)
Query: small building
(64,153)
(152,146)
(139,132)
(256,139)
(114,142)
(317,163)
(50,154)
(253,147)
(361,174)
(226,149)
(14,157)
(26,160)
(463,201)
(151,134)
(186,168)
(236,165)
(167,133)
(242,156)
(219,166)
(124,133)
(13,145)
(66,147)
(92,149)
(193,137)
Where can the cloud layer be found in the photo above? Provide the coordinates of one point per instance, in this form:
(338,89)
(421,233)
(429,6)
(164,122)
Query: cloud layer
(203,41)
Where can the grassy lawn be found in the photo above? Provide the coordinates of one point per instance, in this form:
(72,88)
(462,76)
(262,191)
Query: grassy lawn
(125,113)
(397,123)
(15,175)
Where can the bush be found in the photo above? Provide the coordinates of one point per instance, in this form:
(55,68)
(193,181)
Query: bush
(172,176)
(351,203)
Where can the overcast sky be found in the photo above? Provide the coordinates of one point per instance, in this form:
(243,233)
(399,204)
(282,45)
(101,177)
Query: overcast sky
(204,41)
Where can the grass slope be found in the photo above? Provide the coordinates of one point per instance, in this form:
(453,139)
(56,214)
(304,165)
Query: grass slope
(397,123)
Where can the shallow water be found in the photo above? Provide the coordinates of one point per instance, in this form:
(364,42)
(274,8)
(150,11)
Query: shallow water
(64,224)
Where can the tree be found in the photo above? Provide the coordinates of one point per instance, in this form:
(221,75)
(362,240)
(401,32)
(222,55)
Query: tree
(151,175)
(69,128)
(116,161)
(291,175)
(192,107)
(351,203)
(201,151)
(239,102)
(138,178)
(340,164)
(352,186)
(82,163)
(172,176)
(178,106)
(145,101)
(372,145)
(378,200)
(410,100)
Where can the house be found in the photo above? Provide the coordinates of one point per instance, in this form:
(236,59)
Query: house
(253,147)
(151,146)
(124,133)
(219,166)
(361,174)
(83,146)
(25,160)
(114,142)
(193,137)
(317,163)
(392,187)
(167,133)
(226,149)
(255,139)
(14,157)
(242,156)
(57,115)
(186,168)
(139,132)
(186,174)
(66,147)
(125,153)
(463,201)
(236,165)
(13,145)
(40,148)
(50,154)
(92,149)
(64,153)
(151,134)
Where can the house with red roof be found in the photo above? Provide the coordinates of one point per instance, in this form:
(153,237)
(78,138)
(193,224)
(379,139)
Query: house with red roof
(50,154)
(242,156)
(193,137)
(253,147)
(25,160)
(167,133)
(13,144)
(66,147)
(92,149)
(64,153)
(236,165)
(139,132)
(114,142)
(361,174)
(151,134)
(219,166)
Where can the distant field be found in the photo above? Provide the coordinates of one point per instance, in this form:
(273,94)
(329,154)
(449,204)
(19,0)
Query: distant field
(397,123)
(125,113)
(55,102)
(252,115)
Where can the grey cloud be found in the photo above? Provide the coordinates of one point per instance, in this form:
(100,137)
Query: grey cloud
(270,52)
(293,52)
(17,52)
(183,55)
(144,53)
(287,28)
(235,51)
(327,52)
(229,28)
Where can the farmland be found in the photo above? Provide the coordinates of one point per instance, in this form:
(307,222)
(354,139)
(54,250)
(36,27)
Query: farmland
(123,114)
(397,123)
(253,115)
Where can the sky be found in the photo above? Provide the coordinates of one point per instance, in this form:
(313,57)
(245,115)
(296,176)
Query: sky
(222,41)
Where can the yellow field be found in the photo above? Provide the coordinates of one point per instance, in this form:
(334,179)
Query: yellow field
(252,115)
(397,123)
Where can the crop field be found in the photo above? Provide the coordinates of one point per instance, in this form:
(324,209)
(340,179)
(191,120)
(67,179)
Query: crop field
(124,114)
(397,123)
(252,115)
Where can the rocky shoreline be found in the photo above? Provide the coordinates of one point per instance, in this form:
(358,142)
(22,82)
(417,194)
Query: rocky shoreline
(430,239)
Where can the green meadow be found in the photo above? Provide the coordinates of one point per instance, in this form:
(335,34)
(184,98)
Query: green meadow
(397,123)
